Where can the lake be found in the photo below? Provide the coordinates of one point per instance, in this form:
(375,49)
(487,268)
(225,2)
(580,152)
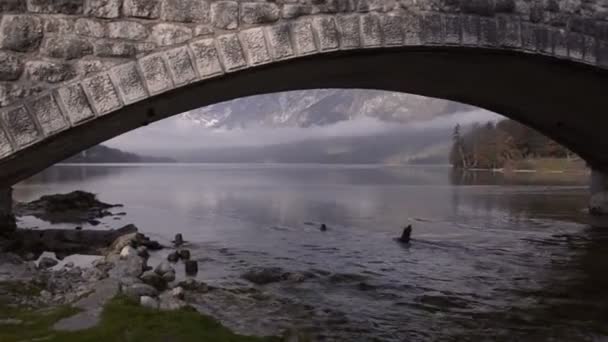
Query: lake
(493,257)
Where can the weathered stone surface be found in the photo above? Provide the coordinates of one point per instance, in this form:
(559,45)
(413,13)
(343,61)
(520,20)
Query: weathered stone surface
(349,27)
(180,65)
(127,30)
(452,30)
(155,73)
(66,47)
(470,30)
(11,92)
(7,6)
(170,34)
(279,41)
(5,149)
(129,83)
(112,48)
(55,6)
(185,10)
(90,27)
(206,57)
(259,12)
(58,25)
(303,37)
(51,72)
(225,14)
(104,8)
(20,32)
(231,52)
(48,113)
(327,33)
(290,11)
(101,91)
(255,46)
(371,34)
(11,66)
(75,103)
(149,9)
(21,126)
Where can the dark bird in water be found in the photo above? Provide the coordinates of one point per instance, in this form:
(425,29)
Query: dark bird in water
(323,227)
(405,236)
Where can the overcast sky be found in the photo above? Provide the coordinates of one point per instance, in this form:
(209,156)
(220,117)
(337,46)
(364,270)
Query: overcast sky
(178,133)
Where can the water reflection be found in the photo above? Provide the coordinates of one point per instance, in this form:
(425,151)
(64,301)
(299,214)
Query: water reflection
(495,257)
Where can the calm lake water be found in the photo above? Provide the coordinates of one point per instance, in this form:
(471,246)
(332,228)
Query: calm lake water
(493,257)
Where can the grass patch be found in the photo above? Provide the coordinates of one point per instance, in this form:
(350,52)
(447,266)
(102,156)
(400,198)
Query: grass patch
(125,321)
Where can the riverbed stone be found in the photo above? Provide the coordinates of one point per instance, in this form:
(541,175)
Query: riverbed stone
(20,32)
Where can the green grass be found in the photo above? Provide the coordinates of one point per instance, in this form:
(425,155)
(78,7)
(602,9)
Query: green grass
(122,320)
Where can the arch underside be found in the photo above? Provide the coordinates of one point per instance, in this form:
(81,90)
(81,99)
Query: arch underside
(561,99)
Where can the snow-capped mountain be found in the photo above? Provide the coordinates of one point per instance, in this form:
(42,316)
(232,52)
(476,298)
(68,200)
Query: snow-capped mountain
(320,107)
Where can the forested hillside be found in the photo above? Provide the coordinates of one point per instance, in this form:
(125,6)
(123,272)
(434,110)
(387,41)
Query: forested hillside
(500,145)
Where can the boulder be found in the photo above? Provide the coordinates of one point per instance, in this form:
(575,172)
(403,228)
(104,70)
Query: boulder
(127,252)
(191,267)
(184,254)
(154,279)
(148,302)
(173,257)
(170,302)
(132,266)
(46,262)
(163,268)
(142,251)
(135,291)
(169,276)
(265,275)
(178,292)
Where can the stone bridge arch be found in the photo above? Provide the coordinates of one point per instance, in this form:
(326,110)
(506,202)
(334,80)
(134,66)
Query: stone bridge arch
(77,72)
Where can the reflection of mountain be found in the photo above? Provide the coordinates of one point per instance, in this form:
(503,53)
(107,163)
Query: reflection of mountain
(396,147)
(321,107)
(104,154)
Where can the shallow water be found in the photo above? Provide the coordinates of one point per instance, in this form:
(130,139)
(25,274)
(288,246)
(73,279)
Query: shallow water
(492,257)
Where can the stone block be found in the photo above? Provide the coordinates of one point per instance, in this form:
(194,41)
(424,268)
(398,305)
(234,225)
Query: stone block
(11,67)
(303,37)
(128,82)
(115,49)
(488,32)
(5,144)
(75,103)
(155,73)
(21,33)
(48,113)
(452,29)
(230,52)
(349,27)
(327,33)
(470,30)
(509,31)
(290,11)
(50,72)
(107,9)
(543,40)
(576,46)
(371,33)
(528,36)
(66,47)
(206,57)
(131,30)
(225,14)
(185,11)
(180,65)
(171,34)
(279,40)
(55,6)
(255,47)
(58,25)
(559,42)
(432,29)
(7,6)
(101,92)
(412,29)
(259,12)
(392,29)
(90,28)
(590,49)
(148,9)
(21,126)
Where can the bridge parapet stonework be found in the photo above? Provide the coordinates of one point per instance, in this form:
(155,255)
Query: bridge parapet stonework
(66,62)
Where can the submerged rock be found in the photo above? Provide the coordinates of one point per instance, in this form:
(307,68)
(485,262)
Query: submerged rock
(184,254)
(191,267)
(179,240)
(265,275)
(173,257)
(406,235)
(323,227)
(74,207)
